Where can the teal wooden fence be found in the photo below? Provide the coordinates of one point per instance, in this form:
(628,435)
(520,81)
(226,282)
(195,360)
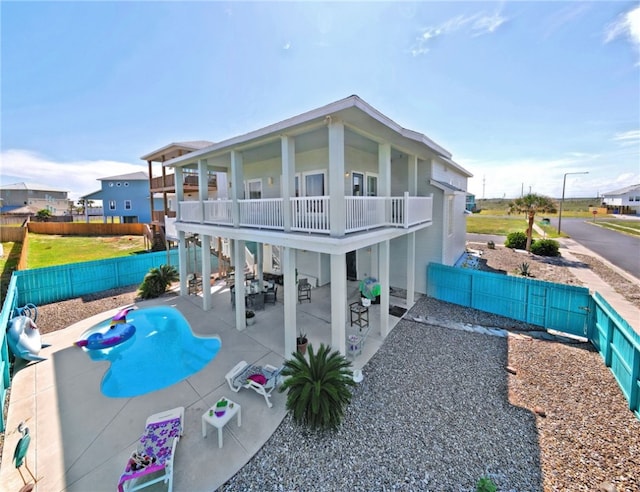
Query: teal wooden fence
(10,302)
(619,346)
(564,308)
(58,283)
(553,306)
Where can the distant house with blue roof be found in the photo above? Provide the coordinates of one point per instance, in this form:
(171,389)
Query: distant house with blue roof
(125,196)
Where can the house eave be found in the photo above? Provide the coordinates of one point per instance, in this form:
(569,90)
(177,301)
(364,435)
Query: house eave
(315,117)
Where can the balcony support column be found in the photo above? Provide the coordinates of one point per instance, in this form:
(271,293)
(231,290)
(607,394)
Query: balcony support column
(203,185)
(288,145)
(411,269)
(206,271)
(179,190)
(238,247)
(384,170)
(338,302)
(290,300)
(412,174)
(237,180)
(336,179)
(383,272)
(182,263)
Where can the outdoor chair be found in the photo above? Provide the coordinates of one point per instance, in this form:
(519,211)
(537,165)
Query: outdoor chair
(271,294)
(304,290)
(152,462)
(262,380)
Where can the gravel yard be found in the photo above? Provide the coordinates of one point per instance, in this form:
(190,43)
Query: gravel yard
(438,409)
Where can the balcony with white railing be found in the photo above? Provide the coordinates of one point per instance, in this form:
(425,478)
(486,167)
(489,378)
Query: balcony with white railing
(311,214)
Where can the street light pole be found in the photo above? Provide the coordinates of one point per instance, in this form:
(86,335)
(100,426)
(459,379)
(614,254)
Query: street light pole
(564,182)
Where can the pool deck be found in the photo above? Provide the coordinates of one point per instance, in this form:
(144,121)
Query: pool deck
(81,440)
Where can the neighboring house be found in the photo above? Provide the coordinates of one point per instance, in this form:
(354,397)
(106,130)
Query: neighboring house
(338,192)
(125,196)
(623,201)
(30,198)
(163,188)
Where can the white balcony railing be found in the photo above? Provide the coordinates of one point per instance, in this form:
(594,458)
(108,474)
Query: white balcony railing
(264,214)
(311,214)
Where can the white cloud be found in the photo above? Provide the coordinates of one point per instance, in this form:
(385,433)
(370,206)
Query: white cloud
(77,177)
(488,24)
(510,177)
(632,137)
(476,24)
(626,25)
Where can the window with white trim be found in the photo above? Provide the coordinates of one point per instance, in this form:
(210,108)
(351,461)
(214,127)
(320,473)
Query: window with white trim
(253,189)
(127,204)
(112,204)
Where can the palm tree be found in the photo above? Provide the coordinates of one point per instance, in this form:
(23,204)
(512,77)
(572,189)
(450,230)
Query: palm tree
(530,205)
(157,280)
(318,389)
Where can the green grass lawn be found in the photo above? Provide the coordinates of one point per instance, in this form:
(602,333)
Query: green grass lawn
(631,227)
(8,264)
(48,250)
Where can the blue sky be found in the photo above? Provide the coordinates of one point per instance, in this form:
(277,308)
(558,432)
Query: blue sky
(519,92)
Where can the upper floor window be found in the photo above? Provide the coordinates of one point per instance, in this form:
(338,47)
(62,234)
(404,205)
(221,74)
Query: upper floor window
(253,189)
(313,184)
(357,184)
(127,204)
(372,184)
(112,204)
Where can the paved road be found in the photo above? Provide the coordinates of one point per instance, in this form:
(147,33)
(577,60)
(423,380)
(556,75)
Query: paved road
(620,249)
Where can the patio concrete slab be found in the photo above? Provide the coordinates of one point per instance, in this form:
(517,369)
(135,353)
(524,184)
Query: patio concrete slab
(81,440)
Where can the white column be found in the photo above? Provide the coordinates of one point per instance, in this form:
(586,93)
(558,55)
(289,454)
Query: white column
(412,185)
(237,185)
(339,303)
(336,179)
(288,178)
(238,263)
(203,181)
(182,264)
(206,272)
(383,268)
(179,190)
(384,170)
(259,262)
(411,268)
(290,300)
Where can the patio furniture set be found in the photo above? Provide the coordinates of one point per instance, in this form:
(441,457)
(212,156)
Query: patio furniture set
(152,461)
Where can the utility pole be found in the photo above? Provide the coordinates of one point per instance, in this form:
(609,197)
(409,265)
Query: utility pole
(484,179)
(564,182)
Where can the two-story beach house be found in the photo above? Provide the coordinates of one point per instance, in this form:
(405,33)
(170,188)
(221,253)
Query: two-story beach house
(125,196)
(340,192)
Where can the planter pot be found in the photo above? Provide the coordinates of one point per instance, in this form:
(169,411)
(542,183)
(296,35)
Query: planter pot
(251,321)
(302,348)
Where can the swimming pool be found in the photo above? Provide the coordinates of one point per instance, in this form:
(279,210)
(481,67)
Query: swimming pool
(163,351)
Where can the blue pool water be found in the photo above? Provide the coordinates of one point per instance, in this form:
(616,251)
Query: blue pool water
(163,351)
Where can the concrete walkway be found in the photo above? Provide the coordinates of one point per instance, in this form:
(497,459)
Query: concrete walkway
(81,440)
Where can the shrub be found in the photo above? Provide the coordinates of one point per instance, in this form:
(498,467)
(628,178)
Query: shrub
(524,269)
(545,247)
(318,390)
(485,484)
(517,240)
(157,280)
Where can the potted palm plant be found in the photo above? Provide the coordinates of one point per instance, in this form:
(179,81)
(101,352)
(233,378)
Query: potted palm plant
(301,342)
(250,316)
